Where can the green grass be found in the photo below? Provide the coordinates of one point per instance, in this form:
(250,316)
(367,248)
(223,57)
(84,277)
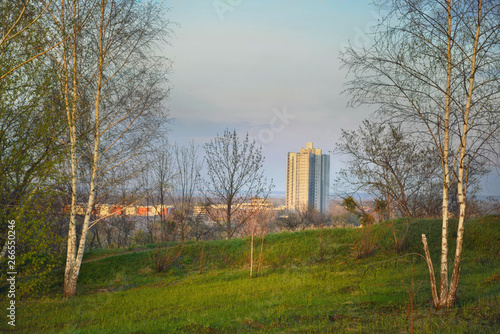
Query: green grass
(311,282)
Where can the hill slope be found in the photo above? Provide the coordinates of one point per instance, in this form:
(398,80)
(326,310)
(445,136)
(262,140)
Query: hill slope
(310,281)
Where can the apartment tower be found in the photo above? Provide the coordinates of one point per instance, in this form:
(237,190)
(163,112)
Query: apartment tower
(308,179)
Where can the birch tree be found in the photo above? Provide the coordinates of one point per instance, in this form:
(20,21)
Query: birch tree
(113,87)
(434,64)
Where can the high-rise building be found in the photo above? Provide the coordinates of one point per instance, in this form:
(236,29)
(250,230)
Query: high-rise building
(308,179)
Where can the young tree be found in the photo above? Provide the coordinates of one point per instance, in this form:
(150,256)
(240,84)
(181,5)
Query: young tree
(185,182)
(258,224)
(235,175)
(159,176)
(175,177)
(434,64)
(390,165)
(366,244)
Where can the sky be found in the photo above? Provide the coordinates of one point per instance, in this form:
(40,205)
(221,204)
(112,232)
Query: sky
(270,68)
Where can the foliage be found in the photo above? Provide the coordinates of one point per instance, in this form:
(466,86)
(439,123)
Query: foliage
(30,119)
(365,217)
(31,122)
(366,245)
(38,251)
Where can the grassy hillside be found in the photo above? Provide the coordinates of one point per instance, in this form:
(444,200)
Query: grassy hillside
(309,282)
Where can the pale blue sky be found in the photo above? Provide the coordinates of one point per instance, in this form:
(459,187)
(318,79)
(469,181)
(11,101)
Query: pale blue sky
(270,68)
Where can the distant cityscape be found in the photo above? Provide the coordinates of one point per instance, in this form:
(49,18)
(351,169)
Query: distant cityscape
(308,184)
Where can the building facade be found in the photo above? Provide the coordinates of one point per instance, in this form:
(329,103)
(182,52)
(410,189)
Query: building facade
(308,179)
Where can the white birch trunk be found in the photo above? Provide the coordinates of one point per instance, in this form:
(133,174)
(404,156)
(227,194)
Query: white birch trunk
(71,113)
(432,276)
(462,182)
(446,171)
(74,261)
